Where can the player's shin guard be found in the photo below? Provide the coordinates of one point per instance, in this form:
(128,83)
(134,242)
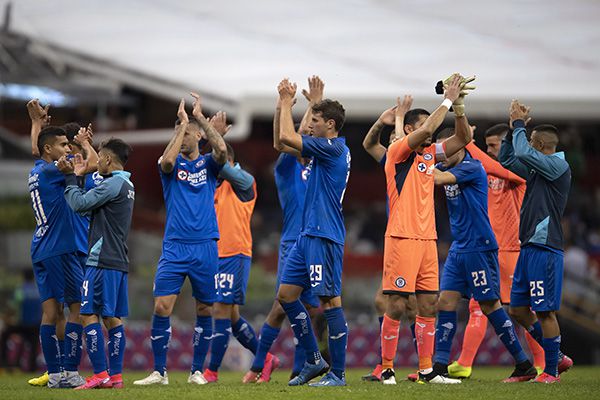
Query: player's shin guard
(72,346)
(244,333)
(552,350)
(219,343)
(536,350)
(506,332)
(302,327)
(202,337)
(445,330)
(425,334)
(389,341)
(160,336)
(474,334)
(50,348)
(268,334)
(116,349)
(94,341)
(338,339)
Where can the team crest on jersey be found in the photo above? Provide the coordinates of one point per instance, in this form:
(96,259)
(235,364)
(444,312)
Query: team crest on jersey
(182,175)
(400,282)
(427,157)
(200,163)
(97,178)
(421,167)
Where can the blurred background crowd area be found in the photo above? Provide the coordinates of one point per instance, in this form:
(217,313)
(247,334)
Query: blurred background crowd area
(84,73)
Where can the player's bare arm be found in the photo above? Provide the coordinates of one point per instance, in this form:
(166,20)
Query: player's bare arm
(452,92)
(219,149)
(443,177)
(314,95)
(39,119)
(167,161)
(372,141)
(277,145)
(287,134)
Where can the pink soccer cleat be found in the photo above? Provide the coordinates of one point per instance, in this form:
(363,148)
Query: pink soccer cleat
(546,378)
(564,364)
(272,362)
(95,381)
(250,377)
(211,376)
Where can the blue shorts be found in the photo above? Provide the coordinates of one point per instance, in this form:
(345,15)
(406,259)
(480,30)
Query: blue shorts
(197,261)
(537,281)
(104,293)
(474,275)
(307,296)
(315,263)
(59,278)
(232,279)
(82,257)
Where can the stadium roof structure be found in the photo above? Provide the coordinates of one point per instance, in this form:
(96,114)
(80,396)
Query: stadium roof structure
(234,52)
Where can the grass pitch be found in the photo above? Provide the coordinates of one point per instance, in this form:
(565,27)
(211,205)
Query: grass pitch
(579,383)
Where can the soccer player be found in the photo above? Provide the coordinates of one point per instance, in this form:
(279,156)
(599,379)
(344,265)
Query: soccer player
(291,176)
(505,195)
(394,116)
(54,253)
(537,283)
(316,259)
(471,268)
(189,180)
(410,251)
(104,288)
(235,198)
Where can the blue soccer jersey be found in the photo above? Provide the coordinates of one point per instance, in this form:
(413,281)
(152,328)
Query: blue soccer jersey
(81,223)
(467,205)
(53,218)
(291,178)
(322,211)
(189,192)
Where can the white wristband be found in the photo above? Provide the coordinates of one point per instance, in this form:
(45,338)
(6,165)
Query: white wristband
(447,103)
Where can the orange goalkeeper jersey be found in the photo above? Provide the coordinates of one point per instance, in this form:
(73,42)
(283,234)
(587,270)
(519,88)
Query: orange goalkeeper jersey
(233,217)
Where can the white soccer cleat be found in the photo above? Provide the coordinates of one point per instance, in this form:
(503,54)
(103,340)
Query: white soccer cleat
(440,379)
(155,378)
(197,378)
(388,377)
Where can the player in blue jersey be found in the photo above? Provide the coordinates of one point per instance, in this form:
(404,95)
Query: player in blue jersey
(104,288)
(53,252)
(291,176)
(537,282)
(189,181)
(471,268)
(316,259)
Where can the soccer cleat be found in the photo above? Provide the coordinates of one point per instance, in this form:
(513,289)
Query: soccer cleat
(116,381)
(330,379)
(251,377)
(374,376)
(564,364)
(211,376)
(197,378)
(546,378)
(271,364)
(455,370)
(72,379)
(41,380)
(95,381)
(434,377)
(413,377)
(540,370)
(522,374)
(55,381)
(155,378)
(310,371)
(388,377)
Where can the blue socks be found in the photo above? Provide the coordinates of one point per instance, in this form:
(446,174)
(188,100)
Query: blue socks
(338,339)
(159,336)
(412,331)
(299,357)
(551,353)
(116,349)
(244,333)
(506,332)
(444,334)
(72,346)
(302,327)
(535,331)
(268,334)
(202,336)
(219,343)
(50,348)
(94,340)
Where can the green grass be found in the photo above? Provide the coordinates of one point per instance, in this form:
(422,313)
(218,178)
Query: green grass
(579,383)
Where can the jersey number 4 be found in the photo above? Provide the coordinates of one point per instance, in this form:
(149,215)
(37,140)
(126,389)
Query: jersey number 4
(223,281)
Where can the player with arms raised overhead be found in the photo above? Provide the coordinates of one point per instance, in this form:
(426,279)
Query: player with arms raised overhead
(316,259)
(189,180)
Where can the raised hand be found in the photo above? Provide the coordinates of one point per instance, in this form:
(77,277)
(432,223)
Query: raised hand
(182,114)
(84,135)
(452,87)
(287,91)
(79,164)
(65,166)
(197,106)
(518,111)
(37,113)
(403,106)
(315,90)
(219,122)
